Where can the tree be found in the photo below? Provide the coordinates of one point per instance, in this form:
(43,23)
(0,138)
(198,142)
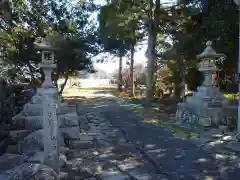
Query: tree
(74,50)
(113,35)
(66,24)
(182,54)
(210,17)
(133,32)
(138,71)
(150,18)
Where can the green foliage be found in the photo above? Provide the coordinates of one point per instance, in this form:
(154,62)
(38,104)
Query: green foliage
(7,104)
(213,24)
(111,32)
(63,22)
(72,56)
(119,26)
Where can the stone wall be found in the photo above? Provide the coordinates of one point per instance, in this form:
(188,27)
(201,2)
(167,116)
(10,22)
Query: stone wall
(23,94)
(7,111)
(12,100)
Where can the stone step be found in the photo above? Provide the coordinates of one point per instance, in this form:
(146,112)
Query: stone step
(35,122)
(18,135)
(70,133)
(12,149)
(36,109)
(35,141)
(79,144)
(9,161)
(38,158)
(63,176)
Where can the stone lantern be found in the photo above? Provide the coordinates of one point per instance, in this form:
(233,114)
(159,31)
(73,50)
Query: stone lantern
(206,105)
(208,67)
(47,56)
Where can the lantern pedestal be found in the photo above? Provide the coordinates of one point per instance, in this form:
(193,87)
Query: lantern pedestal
(47,69)
(207,106)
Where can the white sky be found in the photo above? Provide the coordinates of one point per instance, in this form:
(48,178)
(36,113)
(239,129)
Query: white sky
(139,57)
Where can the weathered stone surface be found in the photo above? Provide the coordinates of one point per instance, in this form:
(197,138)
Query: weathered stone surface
(78,144)
(64,150)
(18,121)
(112,174)
(82,118)
(12,149)
(74,164)
(36,109)
(84,126)
(8,161)
(233,146)
(38,157)
(18,135)
(70,133)
(207,106)
(34,141)
(35,122)
(67,120)
(63,176)
(29,171)
(88,165)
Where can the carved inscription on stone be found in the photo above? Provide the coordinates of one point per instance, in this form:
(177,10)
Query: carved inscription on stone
(53,125)
(50,122)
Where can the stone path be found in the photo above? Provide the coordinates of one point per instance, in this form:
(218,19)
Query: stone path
(116,144)
(104,152)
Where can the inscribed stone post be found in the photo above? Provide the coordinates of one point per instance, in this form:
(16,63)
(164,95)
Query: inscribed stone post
(50,125)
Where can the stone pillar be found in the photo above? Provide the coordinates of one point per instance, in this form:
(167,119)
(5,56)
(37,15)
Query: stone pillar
(47,69)
(49,98)
(207,78)
(50,125)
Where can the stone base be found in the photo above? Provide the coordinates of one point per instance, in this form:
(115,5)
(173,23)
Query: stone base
(36,109)
(35,122)
(204,116)
(34,142)
(9,161)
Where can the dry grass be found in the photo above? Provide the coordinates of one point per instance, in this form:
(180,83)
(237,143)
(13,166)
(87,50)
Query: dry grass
(128,96)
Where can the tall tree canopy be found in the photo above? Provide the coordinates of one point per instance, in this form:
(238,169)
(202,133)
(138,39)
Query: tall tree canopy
(64,22)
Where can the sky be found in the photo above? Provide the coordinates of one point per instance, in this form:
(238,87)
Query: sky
(112,65)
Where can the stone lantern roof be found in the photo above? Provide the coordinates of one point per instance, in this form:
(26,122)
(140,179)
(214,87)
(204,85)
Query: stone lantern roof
(209,52)
(44,45)
(208,58)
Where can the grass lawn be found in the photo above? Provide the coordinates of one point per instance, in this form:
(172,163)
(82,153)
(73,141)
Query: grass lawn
(232,97)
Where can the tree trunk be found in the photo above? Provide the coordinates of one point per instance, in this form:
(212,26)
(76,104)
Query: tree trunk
(149,72)
(150,53)
(132,78)
(120,73)
(62,86)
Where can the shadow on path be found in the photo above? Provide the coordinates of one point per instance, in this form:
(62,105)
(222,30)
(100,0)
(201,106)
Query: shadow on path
(178,158)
